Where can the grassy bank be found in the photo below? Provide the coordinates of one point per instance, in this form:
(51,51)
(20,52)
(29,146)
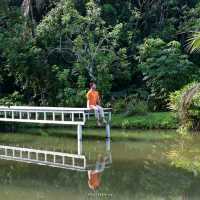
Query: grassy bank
(155,120)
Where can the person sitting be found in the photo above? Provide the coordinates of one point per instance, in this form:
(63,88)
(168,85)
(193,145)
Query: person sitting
(93,102)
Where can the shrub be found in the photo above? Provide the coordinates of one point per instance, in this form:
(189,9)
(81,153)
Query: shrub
(136,106)
(175,97)
(125,124)
(12,99)
(119,106)
(165,69)
(189,112)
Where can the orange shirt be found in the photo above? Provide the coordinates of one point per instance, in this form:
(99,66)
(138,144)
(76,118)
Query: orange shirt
(93,97)
(95,180)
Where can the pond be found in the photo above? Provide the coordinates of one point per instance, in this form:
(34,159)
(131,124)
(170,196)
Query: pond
(141,167)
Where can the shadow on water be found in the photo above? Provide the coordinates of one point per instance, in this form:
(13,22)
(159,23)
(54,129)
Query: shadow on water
(97,134)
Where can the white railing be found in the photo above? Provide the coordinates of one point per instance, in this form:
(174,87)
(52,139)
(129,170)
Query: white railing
(49,115)
(52,115)
(42,157)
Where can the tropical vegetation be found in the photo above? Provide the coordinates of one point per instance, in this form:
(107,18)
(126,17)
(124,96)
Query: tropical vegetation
(136,51)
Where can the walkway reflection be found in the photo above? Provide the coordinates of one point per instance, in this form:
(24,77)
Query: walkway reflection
(93,162)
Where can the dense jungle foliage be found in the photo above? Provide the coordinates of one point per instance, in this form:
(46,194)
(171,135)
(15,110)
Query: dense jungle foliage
(133,49)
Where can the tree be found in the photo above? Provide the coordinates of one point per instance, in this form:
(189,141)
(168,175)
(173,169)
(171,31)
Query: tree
(165,69)
(87,44)
(51,50)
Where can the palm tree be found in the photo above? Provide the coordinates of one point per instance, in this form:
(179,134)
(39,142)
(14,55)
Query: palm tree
(193,46)
(193,43)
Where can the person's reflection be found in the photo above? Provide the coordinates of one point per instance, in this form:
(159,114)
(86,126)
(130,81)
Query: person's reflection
(94,176)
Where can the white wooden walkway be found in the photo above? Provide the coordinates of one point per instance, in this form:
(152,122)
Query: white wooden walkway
(47,115)
(53,115)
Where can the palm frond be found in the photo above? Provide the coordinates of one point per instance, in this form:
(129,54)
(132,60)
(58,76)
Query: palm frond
(193,43)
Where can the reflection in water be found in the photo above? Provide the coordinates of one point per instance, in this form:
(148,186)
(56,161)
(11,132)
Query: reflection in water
(50,158)
(140,170)
(94,175)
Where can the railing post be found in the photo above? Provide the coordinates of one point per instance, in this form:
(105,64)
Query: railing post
(54,158)
(36,115)
(63,116)
(79,138)
(72,117)
(108,144)
(84,163)
(63,160)
(45,157)
(109,116)
(84,117)
(107,130)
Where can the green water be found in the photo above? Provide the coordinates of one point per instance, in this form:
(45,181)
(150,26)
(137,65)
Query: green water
(140,167)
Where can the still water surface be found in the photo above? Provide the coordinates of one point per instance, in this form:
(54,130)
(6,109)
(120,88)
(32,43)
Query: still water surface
(140,168)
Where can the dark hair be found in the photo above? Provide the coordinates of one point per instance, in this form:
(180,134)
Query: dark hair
(91,84)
